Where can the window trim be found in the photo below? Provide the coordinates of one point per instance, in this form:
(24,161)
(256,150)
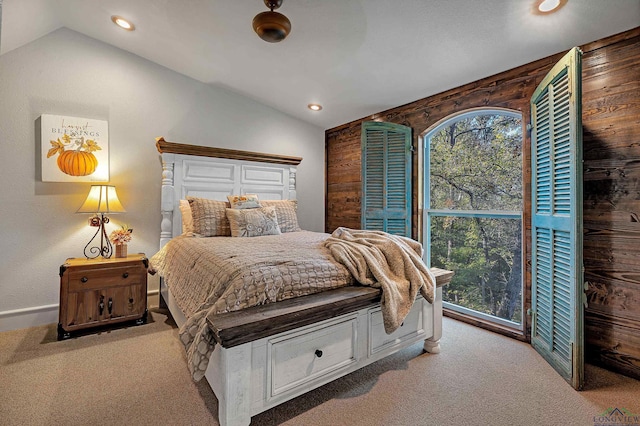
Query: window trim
(482,316)
(426,213)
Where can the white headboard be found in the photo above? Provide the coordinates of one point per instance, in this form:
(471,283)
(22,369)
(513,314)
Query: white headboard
(215,173)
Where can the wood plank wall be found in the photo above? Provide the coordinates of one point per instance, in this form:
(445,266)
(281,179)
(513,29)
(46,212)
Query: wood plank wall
(611,126)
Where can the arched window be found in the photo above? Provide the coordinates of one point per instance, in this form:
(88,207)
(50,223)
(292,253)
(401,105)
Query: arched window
(473,211)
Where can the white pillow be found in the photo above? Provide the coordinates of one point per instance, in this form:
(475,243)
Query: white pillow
(187,218)
(246,201)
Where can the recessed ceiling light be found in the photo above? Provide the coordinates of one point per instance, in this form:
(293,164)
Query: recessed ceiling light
(314,107)
(123,23)
(548,6)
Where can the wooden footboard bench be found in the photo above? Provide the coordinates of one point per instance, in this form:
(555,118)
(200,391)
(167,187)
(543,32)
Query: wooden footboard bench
(269,354)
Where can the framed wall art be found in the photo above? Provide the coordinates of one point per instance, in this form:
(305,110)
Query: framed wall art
(74,149)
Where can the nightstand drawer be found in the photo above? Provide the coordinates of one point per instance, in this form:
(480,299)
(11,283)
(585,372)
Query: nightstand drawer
(103,278)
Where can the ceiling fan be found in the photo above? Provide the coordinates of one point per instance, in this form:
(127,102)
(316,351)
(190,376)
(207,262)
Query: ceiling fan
(272,26)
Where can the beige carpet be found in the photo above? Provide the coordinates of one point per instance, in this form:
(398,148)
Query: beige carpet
(138,376)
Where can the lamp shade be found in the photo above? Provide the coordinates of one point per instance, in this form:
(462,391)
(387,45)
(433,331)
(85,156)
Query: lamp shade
(102,199)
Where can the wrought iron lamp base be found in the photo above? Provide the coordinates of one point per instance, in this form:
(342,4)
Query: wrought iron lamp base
(105,249)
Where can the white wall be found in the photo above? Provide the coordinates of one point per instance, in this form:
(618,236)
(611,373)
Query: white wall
(66,73)
(0,22)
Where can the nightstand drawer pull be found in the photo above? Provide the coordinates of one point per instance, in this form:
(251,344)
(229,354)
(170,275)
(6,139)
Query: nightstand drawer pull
(125,275)
(110,305)
(101,304)
(84,279)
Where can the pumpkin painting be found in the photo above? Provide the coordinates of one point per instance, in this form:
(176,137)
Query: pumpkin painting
(75,162)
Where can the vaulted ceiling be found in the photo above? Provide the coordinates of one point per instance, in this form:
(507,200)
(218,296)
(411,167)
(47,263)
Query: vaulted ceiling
(355,57)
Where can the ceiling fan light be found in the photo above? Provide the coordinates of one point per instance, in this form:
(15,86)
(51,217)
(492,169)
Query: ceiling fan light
(271,26)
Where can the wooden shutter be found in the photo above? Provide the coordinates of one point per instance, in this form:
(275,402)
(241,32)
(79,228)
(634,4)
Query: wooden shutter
(557,270)
(386,177)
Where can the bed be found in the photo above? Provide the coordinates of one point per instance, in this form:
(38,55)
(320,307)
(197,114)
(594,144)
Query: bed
(264,355)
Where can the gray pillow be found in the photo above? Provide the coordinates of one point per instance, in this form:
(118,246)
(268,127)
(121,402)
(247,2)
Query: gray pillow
(253,222)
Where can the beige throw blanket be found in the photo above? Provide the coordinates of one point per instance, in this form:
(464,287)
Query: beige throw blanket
(386,261)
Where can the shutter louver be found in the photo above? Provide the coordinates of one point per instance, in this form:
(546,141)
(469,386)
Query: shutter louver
(557,282)
(386,178)
(543,176)
(543,296)
(375,178)
(562,147)
(562,297)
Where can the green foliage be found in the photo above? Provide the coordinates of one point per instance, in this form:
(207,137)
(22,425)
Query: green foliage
(476,164)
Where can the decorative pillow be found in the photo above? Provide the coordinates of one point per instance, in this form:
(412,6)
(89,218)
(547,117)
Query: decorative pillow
(246,201)
(286,212)
(187,219)
(253,222)
(209,217)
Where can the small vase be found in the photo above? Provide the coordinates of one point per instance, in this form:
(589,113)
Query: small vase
(121,250)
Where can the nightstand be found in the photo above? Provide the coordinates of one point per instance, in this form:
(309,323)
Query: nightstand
(99,292)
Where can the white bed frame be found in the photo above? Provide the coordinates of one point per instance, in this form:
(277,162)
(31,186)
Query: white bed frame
(256,376)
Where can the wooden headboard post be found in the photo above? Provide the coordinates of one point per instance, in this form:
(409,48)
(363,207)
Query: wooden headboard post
(293,195)
(215,173)
(168,202)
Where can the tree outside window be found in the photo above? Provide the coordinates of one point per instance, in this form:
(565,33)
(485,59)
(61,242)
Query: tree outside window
(473,205)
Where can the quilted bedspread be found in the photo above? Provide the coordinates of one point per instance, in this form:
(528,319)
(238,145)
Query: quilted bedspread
(229,274)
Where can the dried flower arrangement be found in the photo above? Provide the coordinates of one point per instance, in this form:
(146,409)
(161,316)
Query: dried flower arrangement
(121,236)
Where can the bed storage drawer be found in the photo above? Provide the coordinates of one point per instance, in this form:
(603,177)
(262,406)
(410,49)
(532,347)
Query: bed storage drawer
(412,327)
(298,359)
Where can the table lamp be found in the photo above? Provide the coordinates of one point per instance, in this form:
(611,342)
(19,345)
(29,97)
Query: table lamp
(101,199)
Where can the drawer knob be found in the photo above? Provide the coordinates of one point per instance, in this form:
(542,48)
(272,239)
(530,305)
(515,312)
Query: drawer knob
(318,353)
(125,275)
(84,279)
